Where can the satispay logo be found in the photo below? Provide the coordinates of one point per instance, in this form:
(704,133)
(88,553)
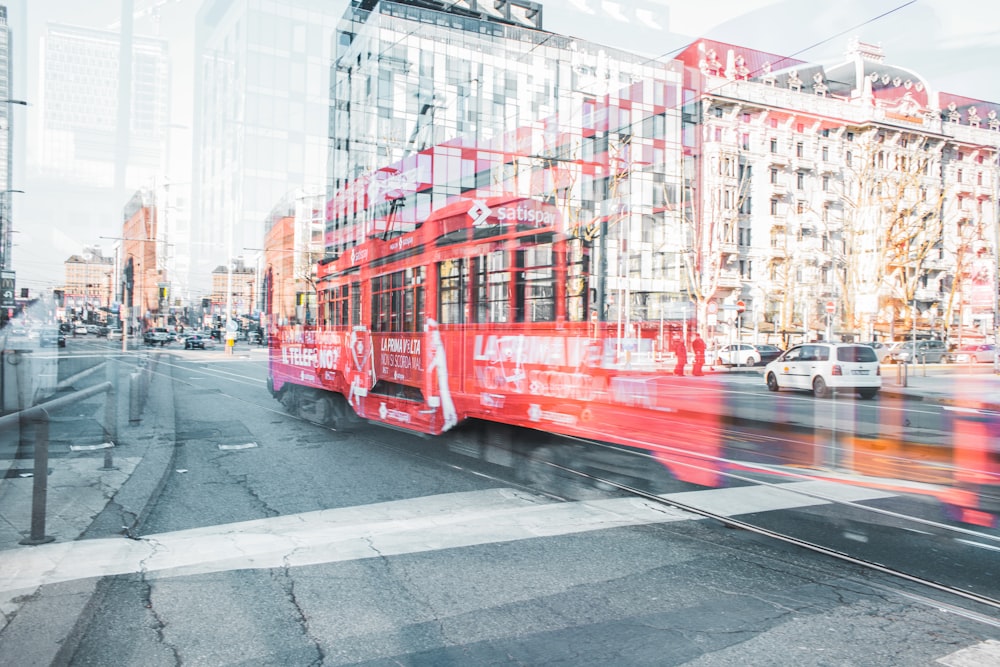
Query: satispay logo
(480,213)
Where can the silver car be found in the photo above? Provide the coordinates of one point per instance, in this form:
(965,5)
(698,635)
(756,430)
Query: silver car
(927,352)
(966,354)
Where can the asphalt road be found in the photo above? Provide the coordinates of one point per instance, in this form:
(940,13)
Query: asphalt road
(276,541)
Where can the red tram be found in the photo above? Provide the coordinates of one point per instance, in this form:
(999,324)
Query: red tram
(484,314)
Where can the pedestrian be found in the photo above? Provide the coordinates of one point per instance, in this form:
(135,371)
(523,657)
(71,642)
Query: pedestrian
(698,346)
(681,351)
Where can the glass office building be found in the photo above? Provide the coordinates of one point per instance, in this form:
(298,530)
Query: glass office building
(439,101)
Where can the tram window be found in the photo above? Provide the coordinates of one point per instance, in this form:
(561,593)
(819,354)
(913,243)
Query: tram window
(451,291)
(355,303)
(344,306)
(398,301)
(493,287)
(336,310)
(535,288)
(577,267)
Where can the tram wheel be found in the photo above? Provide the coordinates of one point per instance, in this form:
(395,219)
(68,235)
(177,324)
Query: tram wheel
(290,400)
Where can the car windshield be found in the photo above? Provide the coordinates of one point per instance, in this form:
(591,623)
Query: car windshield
(453,332)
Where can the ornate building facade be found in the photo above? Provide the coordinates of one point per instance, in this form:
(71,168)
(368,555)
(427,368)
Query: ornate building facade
(855,187)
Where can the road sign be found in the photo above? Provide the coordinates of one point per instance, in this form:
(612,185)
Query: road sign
(7,285)
(712,307)
(740,306)
(831,307)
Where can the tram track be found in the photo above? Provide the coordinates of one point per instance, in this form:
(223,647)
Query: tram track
(528,459)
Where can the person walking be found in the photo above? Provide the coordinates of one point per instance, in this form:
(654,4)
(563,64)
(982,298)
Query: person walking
(698,347)
(681,351)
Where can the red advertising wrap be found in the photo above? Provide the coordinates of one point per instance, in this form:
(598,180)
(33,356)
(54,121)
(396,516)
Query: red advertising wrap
(486,314)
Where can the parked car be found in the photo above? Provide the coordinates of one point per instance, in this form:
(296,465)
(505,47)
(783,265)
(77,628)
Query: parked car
(984,353)
(927,352)
(768,353)
(80,329)
(881,349)
(115,333)
(826,367)
(737,354)
(197,341)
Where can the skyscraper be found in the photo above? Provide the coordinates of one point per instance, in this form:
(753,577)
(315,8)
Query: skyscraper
(261,94)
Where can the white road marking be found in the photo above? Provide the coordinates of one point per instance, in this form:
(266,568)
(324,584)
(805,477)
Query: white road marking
(983,654)
(399,527)
(246,445)
(87,448)
(978,544)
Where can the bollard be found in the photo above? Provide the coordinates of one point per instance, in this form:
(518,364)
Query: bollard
(134,406)
(111,422)
(40,482)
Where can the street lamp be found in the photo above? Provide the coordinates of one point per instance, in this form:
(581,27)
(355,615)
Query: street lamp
(5,228)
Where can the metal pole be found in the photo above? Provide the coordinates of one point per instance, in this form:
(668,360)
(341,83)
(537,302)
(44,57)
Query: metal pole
(40,481)
(110,414)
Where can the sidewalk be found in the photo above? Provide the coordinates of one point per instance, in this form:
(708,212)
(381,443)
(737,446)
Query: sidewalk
(83,500)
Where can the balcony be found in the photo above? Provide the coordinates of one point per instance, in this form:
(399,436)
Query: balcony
(729,248)
(777,159)
(928,295)
(730,279)
(827,167)
(803,164)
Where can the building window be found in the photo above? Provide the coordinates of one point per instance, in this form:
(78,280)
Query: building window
(849,159)
(774,207)
(826,183)
(826,153)
(800,180)
(800,207)
(774,145)
(850,136)
(774,176)
(799,149)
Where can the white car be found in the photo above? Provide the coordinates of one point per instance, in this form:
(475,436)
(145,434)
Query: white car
(737,354)
(826,367)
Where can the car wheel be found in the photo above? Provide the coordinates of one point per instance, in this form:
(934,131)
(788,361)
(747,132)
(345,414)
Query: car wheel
(868,394)
(753,360)
(820,390)
(187,346)
(772,382)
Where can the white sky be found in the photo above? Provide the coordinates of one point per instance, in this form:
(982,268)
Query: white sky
(953,44)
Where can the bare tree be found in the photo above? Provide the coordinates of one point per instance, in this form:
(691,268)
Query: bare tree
(892,222)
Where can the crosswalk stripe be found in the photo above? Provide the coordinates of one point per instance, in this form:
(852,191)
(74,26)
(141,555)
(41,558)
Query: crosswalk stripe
(399,527)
